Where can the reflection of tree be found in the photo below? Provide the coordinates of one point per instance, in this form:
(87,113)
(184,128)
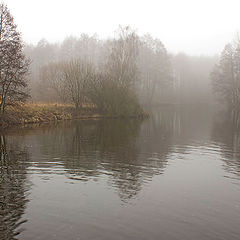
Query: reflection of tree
(113,147)
(177,127)
(128,151)
(226,131)
(120,155)
(91,148)
(12,188)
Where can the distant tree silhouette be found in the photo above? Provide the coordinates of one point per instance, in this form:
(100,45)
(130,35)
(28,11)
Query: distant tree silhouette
(226,76)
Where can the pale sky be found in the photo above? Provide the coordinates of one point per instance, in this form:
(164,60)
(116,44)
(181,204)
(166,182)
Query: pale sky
(190,26)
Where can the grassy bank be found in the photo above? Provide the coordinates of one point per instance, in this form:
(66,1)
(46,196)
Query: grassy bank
(42,113)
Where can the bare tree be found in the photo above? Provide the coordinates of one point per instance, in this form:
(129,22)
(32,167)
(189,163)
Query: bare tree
(77,74)
(53,79)
(226,76)
(120,75)
(122,64)
(13,63)
(155,70)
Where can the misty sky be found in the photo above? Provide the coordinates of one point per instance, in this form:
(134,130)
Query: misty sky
(192,26)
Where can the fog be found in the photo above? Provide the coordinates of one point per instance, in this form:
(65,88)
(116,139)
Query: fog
(119,119)
(163,77)
(157,52)
(194,27)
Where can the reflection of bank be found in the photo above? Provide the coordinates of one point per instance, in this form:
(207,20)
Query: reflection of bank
(111,147)
(126,152)
(13,188)
(226,133)
(90,149)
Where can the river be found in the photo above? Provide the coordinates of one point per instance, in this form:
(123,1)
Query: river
(173,176)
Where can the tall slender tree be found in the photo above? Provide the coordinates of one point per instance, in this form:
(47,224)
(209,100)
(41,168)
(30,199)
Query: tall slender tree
(13,63)
(122,64)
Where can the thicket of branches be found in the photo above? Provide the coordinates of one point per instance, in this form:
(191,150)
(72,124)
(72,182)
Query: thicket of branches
(226,76)
(153,75)
(116,75)
(110,85)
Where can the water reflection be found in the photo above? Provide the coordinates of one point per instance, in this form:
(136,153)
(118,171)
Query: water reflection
(226,133)
(13,188)
(128,153)
(92,149)
(162,176)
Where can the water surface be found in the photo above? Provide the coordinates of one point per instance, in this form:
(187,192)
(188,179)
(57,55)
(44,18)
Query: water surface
(173,176)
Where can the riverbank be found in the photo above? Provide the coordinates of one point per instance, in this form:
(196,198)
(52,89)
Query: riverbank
(32,113)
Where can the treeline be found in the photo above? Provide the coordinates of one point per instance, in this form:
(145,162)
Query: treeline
(226,81)
(72,73)
(117,75)
(226,76)
(192,79)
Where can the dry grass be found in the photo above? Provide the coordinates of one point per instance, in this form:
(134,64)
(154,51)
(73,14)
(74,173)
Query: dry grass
(47,112)
(44,112)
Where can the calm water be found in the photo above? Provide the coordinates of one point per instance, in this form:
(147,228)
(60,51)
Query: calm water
(173,176)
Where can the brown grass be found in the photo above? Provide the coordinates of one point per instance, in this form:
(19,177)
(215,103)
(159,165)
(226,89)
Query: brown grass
(47,112)
(43,112)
